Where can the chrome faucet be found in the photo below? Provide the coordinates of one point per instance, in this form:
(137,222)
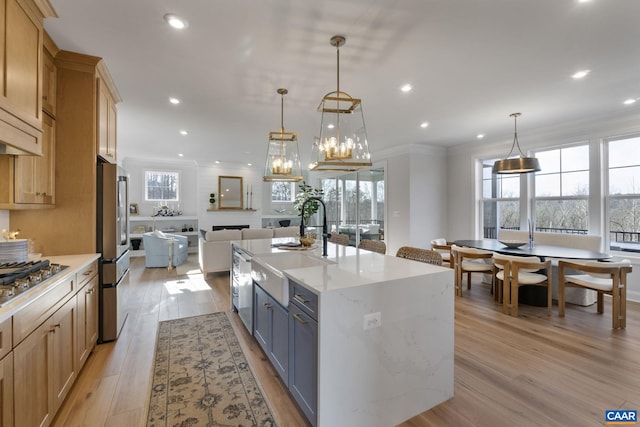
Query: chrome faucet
(325,234)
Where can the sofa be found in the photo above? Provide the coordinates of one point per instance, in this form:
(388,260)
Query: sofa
(214,249)
(164,249)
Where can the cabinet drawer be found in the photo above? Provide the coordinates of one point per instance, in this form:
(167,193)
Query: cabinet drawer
(85,274)
(6,341)
(31,316)
(304,298)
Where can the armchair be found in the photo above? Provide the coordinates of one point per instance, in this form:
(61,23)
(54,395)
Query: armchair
(164,250)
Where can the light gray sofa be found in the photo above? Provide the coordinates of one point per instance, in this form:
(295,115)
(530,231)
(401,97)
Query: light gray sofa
(214,250)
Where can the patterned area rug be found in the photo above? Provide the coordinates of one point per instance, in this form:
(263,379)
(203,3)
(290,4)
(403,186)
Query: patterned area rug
(201,377)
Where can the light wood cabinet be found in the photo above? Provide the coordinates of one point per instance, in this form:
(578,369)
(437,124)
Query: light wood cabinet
(33,363)
(49,76)
(45,368)
(21,38)
(87,323)
(6,391)
(107,119)
(70,228)
(35,176)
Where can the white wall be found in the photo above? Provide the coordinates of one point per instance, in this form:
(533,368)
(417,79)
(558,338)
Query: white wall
(4,220)
(416,195)
(462,208)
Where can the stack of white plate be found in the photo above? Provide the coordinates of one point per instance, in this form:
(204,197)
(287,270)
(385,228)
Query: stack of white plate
(14,250)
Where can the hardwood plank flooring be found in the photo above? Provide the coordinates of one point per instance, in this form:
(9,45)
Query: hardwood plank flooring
(533,370)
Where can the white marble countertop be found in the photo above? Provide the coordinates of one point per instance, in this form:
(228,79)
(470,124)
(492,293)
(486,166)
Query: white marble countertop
(346,266)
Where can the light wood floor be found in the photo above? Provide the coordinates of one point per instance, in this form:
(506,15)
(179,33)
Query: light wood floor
(526,371)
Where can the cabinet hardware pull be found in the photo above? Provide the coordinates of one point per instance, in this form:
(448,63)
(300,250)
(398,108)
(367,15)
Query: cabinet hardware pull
(300,298)
(299,318)
(266,305)
(86,273)
(57,325)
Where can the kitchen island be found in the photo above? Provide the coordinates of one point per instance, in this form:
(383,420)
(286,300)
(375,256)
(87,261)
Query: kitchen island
(380,349)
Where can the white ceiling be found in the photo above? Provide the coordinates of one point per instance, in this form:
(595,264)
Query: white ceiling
(471,63)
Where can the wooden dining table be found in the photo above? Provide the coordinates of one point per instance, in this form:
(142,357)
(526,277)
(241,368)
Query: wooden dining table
(542,251)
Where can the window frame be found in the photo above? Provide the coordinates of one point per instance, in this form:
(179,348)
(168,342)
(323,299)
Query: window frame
(165,172)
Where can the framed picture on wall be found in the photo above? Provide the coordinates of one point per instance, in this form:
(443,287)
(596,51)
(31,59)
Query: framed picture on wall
(133,209)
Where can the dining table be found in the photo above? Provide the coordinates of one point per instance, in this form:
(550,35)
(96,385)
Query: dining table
(534,295)
(542,251)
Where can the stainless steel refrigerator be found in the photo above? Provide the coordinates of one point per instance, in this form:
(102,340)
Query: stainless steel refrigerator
(113,245)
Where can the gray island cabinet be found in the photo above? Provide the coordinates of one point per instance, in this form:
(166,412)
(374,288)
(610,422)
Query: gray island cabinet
(359,338)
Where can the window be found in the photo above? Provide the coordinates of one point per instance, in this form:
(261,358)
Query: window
(500,200)
(282,192)
(161,186)
(562,190)
(624,193)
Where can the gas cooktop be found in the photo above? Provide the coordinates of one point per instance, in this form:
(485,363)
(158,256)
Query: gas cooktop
(17,278)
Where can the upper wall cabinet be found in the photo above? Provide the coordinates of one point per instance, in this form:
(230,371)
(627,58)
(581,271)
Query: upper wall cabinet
(21,38)
(107,98)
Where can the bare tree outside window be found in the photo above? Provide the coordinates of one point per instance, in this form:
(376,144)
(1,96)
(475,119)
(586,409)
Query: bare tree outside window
(162,186)
(624,193)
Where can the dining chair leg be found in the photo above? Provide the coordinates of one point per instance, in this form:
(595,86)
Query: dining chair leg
(600,303)
(615,296)
(623,303)
(468,280)
(561,292)
(549,299)
(506,296)
(514,298)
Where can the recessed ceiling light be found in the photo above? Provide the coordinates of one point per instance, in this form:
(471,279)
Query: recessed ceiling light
(584,1)
(580,74)
(217,162)
(175,21)
(424,125)
(180,155)
(480,136)
(629,101)
(174,101)
(406,88)
(249,164)
(330,126)
(184,132)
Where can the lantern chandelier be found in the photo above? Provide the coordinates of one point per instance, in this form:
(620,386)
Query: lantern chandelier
(283,158)
(520,164)
(342,144)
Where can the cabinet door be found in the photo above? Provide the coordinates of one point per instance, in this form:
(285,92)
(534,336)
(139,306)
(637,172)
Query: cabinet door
(49,82)
(63,353)
(107,119)
(279,349)
(6,391)
(32,370)
(261,318)
(303,361)
(35,176)
(87,322)
(23,44)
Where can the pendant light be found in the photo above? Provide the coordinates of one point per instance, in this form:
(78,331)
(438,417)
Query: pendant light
(283,158)
(520,164)
(342,144)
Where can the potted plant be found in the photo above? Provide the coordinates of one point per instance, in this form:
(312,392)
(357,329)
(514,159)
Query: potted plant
(212,200)
(307,191)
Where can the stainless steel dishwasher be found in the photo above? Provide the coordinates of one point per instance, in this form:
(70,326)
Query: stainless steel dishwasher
(242,287)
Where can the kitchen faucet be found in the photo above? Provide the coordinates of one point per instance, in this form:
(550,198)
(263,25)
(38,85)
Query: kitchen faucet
(325,234)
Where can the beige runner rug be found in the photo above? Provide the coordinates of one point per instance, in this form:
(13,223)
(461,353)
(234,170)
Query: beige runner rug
(201,377)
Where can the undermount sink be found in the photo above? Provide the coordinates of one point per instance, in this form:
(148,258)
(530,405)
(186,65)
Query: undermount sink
(267,271)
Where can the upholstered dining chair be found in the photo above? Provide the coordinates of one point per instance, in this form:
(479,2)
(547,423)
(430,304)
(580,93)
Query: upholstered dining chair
(515,271)
(340,239)
(443,247)
(373,246)
(418,254)
(604,277)
(469,260)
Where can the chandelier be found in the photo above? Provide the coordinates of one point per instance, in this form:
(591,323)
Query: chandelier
(520,164)
(342,144)
(283,158)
